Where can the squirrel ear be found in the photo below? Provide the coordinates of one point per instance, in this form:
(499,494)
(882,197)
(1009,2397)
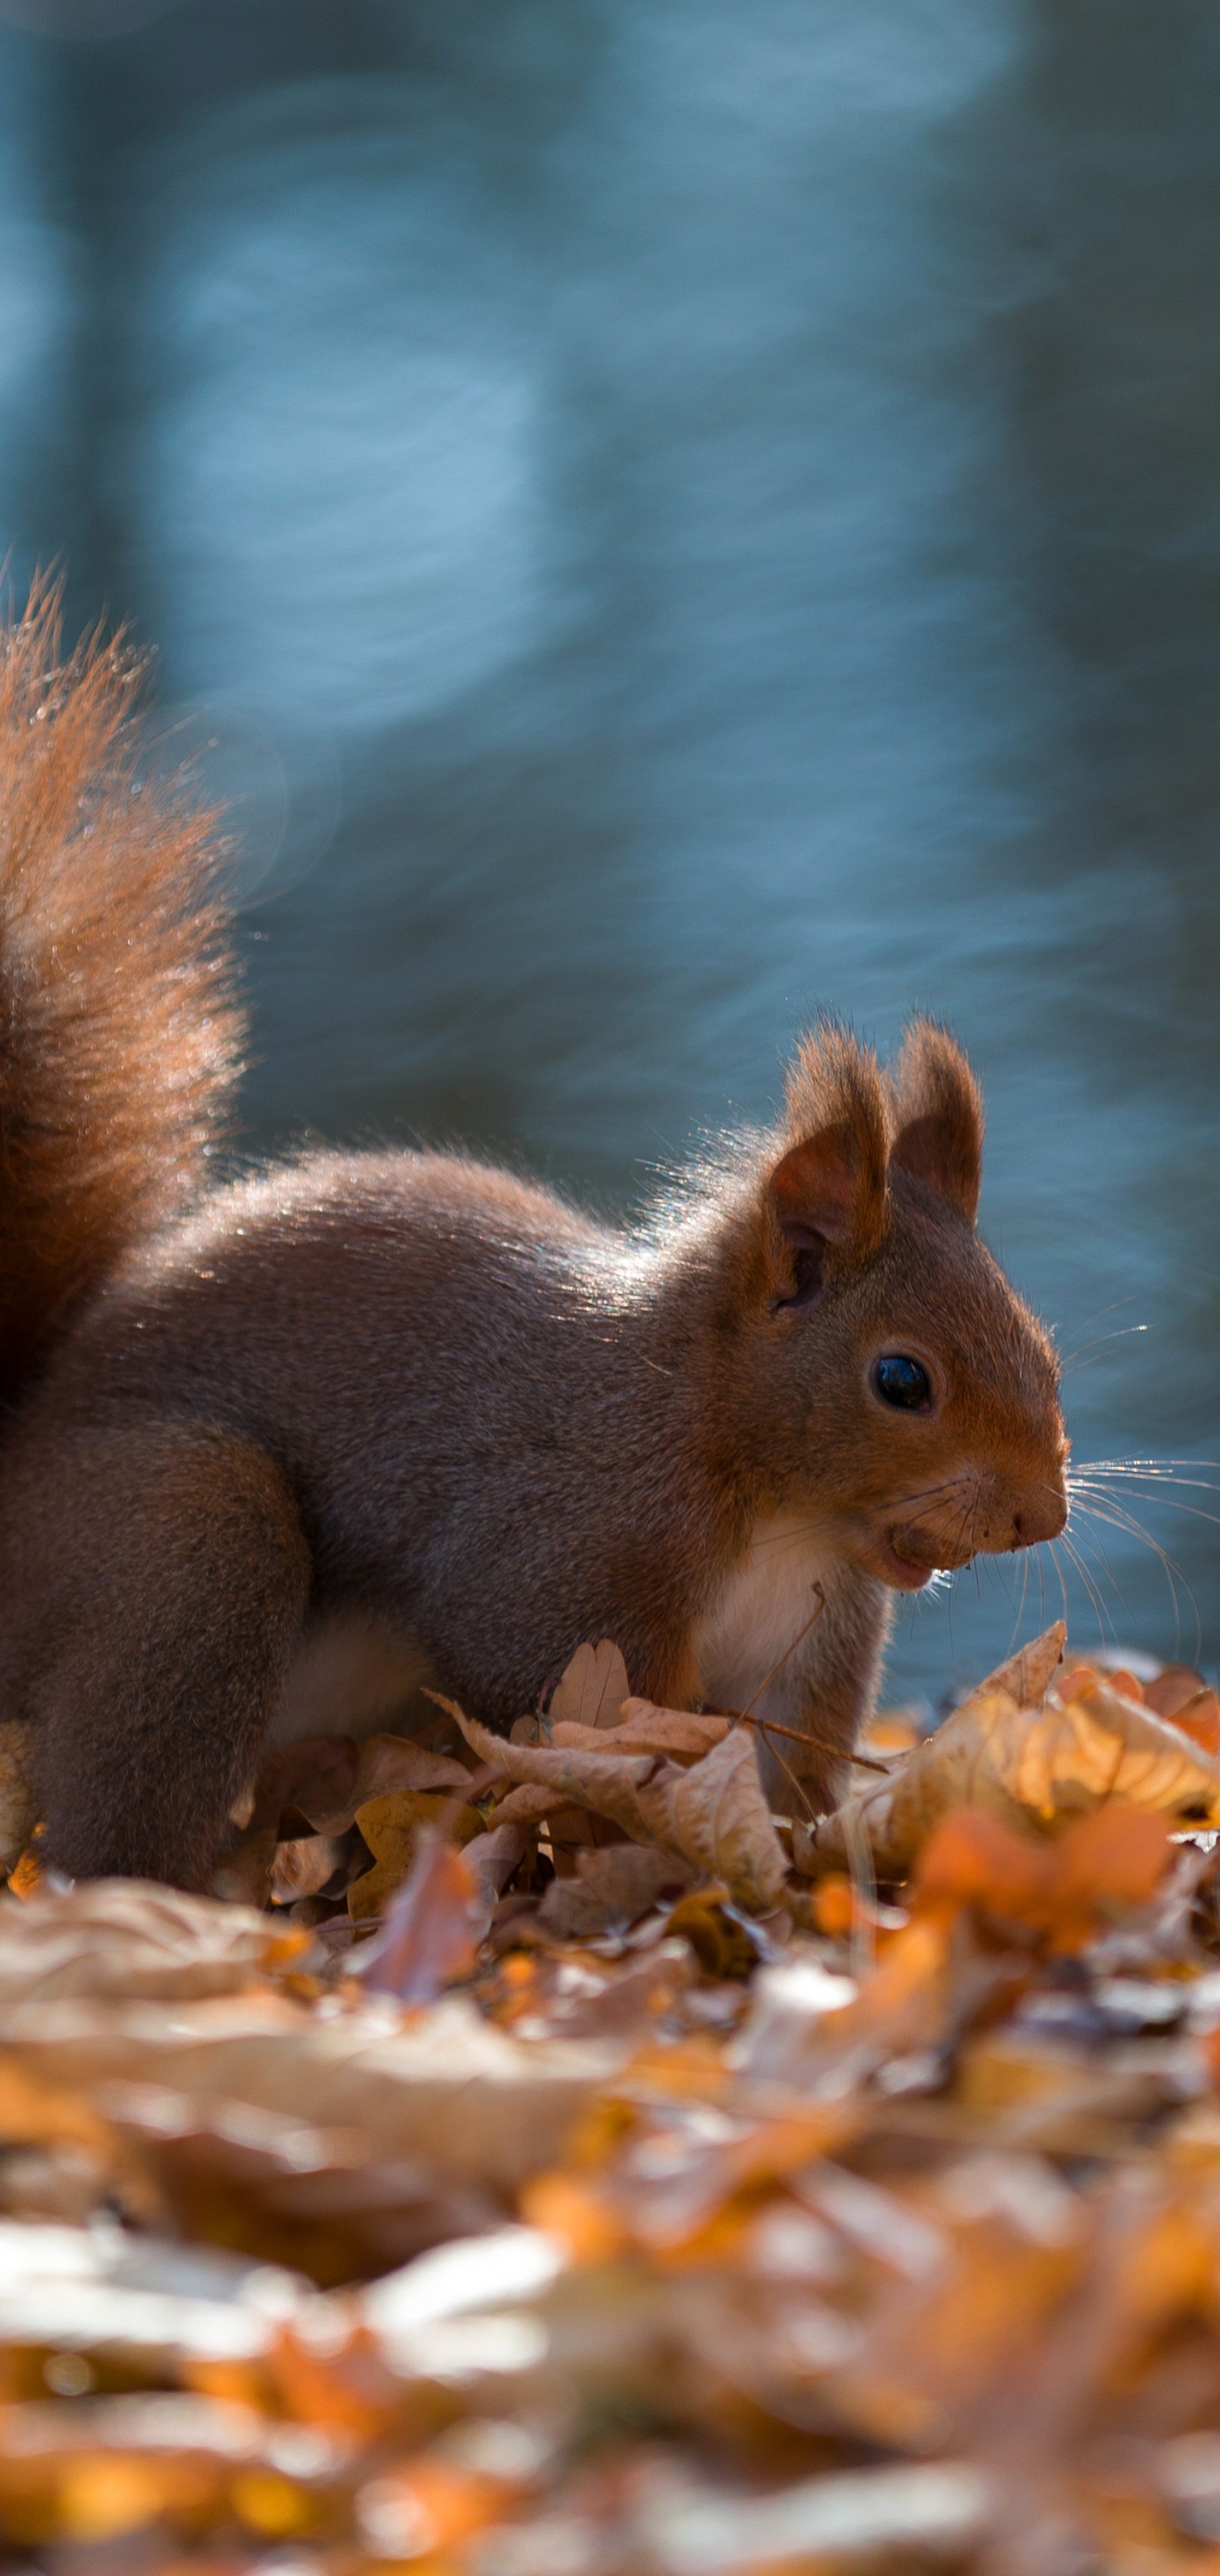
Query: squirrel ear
(938,1118)
(825,1197)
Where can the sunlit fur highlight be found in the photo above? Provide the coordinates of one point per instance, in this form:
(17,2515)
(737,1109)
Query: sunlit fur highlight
(120,1034)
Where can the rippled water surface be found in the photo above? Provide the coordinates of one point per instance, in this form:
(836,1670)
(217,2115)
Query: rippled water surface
(670,516)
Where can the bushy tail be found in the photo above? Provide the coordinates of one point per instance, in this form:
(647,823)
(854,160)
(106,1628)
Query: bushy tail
(120,1030)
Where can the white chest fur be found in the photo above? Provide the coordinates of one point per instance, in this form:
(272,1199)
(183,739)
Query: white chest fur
(765,1602)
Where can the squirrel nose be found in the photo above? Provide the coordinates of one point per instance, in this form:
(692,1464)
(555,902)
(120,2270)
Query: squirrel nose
(1040,1520)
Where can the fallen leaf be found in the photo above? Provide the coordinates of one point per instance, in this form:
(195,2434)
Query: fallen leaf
(1172,1687)
(1102,1746)
(384,1764)
(469,2099)
(390,1826)
(303,1866)
(719,1818)
(713,1814)
(612,1888)
(25,1877)
(123,1938)
(695,2530)
(646,1729)
(592,1689)
(1103,1864)
(1027,1765)
(825,2034)
(530,1804)
(1198,1717)
(491,1859)
(428,1939)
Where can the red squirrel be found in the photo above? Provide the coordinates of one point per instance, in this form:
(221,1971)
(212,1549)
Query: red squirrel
(370,1420)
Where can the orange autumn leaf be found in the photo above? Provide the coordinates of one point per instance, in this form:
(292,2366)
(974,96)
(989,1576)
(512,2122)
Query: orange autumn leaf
(1029,1751)
(1109,1861)
(428,1937)
(25,1878)
(392,1826)
(1199,1717)
(834,1906)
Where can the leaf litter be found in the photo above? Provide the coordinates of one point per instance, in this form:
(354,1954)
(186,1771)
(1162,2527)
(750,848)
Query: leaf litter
(539,2159)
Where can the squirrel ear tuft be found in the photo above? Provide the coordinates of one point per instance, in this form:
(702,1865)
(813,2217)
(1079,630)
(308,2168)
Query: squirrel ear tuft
(825,1197)
(938,1118)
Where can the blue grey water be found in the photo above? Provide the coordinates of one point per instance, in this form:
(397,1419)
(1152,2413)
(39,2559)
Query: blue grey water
(663,518)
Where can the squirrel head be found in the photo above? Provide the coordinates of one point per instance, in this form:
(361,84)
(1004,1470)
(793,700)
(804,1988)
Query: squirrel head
(907,1397)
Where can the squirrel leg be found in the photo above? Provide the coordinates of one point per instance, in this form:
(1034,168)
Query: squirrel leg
(174,1578)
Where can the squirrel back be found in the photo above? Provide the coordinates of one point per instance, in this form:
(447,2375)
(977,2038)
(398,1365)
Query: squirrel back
(120,1032)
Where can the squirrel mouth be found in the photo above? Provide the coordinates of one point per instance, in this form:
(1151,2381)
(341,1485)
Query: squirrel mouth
(899,1571)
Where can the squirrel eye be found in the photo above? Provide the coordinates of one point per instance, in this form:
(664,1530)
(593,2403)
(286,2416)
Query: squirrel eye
(902,1381)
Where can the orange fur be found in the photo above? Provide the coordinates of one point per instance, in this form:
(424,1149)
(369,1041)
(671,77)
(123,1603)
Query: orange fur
(120,1032)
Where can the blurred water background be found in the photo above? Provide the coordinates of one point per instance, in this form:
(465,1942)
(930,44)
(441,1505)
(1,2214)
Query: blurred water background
(664,516)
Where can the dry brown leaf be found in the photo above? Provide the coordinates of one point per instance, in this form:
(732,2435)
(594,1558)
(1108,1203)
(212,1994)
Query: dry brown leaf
(1027,1765)
(122,1937)
(302,1867)
(390,1826)
(491,1859)
(276,2187)
(610,1891)
(1198,1717)
(1026,1676)
(530,1804)
(476,2103)
(1171,1688)
(714,1814)
(428,1938)
(608,1783)
(382,1765)
(592,1689)
(718,1817)
(1100,1745)
(646,1729)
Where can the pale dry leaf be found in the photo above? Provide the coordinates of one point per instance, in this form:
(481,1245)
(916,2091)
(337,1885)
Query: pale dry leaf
(528,1804)
(491,1859)
(607,1783)
(125,1937)
(479,2104)
(718,1817)
(1027,1675)
(647,1729)
(91,2286)
(384,1763)
(592,1689)
(1027,1765)
(611,1889)
(713,1814)
(1099,1744)
(301,1867)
